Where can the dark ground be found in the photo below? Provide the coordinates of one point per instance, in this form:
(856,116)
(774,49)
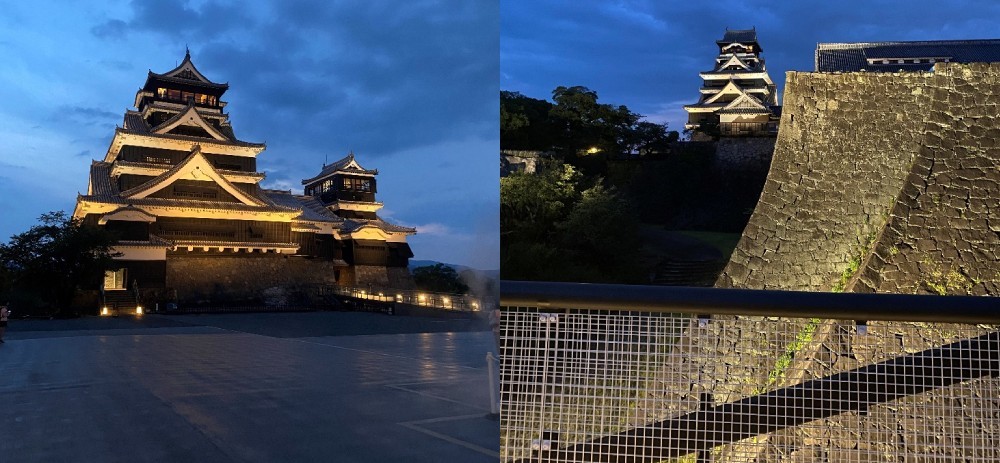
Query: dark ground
(303,387)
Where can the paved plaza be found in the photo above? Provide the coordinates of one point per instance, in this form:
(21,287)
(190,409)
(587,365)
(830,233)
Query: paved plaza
(297,387)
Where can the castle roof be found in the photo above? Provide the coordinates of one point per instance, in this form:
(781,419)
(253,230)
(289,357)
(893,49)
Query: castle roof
(905,56)
(347,165)
(741,36)
(738,35)
(103,189)
(185,73)
(314,211)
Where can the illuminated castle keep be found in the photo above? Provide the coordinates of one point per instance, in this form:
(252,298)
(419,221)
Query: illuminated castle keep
(183,194)
(738,96)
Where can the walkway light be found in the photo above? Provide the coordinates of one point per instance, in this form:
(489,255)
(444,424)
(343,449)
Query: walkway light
(105,311)
(138,310)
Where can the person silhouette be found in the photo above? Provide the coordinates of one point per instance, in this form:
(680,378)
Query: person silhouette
(4,314)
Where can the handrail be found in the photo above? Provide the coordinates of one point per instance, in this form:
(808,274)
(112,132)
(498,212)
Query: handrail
(771,303)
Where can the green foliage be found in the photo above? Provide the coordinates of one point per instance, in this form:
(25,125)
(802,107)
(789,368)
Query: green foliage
(524,122)
(43,267)
(777,374)
(944,283)
(578,128)
(854,263)
(439,278)
(557,226)
(531,203)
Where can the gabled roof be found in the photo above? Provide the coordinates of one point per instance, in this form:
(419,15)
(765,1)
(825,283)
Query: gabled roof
(190,116)
(193,167)
(730,89)
(745,104)
(347,165)
(735,60)
(102,189)
(186,73)
(128,213)
(871,56)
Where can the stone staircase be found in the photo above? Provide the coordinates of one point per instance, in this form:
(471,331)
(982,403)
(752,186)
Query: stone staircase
(676,272)
(119,301)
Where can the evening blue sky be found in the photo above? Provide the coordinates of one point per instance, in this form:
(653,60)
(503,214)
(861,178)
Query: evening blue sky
(410,87)
(646,54)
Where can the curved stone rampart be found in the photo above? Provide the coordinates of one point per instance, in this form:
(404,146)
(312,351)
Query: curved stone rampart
(894,175)
(879,183)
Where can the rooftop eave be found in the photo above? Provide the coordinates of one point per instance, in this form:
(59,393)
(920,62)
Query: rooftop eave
(178,142)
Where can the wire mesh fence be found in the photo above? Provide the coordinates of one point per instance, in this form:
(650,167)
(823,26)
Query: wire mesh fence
(631,386)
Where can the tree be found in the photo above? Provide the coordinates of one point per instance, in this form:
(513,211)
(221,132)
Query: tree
(531,203)
(439,278)
(650,137)
(524,123)
(43,267)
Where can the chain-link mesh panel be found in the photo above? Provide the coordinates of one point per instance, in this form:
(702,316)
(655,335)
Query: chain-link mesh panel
(638,386)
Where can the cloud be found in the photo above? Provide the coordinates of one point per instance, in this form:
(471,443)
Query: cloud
(112,29)
(375,76)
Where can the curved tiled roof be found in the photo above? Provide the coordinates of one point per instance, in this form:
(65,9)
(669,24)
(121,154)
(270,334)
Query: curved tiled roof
(312,209)
(189,109)
(105,190)
(739,35)
(153,241)
(196,78)
(853,57)
(135,123)
(315,211)
(233,142)
(195,153)
(341,165)
(351,225)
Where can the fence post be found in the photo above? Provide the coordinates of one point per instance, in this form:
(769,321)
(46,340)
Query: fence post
(494,401)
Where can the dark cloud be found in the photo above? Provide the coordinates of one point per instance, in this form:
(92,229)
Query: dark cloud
(378,76)
(85,116)
(646,54)
(117,65)
(83,154)
(112,29)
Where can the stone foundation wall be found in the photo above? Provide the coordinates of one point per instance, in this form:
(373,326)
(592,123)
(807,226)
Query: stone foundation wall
(263,277)
(746,154)
(386,277)
(844,149)
(894,175)
(879,183)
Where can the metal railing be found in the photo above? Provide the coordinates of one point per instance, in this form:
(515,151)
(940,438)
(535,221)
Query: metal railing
(460,302)
(736,129)
(616,373)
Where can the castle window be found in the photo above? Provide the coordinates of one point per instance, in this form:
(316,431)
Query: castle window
(364,185)
(347,184)
(161,92)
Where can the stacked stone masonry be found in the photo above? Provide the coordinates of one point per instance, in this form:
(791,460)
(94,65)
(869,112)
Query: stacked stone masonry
(896,171)
(879,183)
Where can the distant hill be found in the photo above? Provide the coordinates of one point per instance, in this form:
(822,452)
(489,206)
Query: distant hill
(492,274)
